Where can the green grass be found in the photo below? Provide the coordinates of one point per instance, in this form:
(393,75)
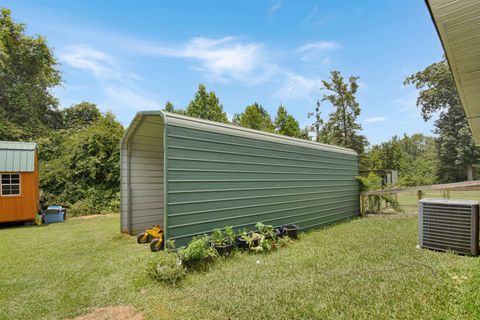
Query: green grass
(409,201)
(361,269)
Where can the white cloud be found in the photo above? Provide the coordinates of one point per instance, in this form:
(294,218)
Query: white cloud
(275,7)
(312,14)
(115,82)
(298,87)
(221,59)
(99,64)
(125,96)
(375,119)
(317,51)
(320,45)
(407,103)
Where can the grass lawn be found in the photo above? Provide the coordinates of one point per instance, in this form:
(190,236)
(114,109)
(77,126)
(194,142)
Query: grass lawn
(361,269)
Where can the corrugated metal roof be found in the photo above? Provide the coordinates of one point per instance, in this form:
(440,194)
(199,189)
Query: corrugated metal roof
(458,26)
(228,129)
(17,156)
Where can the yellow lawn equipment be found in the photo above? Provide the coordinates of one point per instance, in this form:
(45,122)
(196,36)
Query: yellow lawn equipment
(154,236)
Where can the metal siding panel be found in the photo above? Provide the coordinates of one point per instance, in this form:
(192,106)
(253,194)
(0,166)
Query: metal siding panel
(215,180)
(145,175)
(17,156)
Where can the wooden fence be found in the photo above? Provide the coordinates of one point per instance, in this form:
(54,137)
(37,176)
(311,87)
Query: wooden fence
(374,198)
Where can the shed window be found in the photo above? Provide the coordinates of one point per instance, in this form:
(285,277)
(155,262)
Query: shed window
(10,184)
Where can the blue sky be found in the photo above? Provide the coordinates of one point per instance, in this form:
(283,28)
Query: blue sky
(128,56)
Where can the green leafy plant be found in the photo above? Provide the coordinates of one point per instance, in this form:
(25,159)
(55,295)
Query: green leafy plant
(266,230)
(170,245)
(230,235)
(166,267)
(268,244)
(217,237)
(223,237)
(373,203)
(197,252)
(284,241)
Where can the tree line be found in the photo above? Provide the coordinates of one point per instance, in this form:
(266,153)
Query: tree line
(79,145)
(341,128)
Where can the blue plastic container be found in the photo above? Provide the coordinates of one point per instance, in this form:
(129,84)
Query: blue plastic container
(53,217)
(54,214)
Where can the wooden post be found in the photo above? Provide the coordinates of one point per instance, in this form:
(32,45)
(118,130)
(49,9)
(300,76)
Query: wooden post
(362,209)
(419,194)
(448,193)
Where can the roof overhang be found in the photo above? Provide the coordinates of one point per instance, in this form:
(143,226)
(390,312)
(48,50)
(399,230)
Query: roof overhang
(458,26)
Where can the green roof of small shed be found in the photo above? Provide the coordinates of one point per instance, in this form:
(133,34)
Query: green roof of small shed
(17,156)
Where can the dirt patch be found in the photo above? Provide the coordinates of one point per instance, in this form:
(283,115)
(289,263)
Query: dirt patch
(112,313)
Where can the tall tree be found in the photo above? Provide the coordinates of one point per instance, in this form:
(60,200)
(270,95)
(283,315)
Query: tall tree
(254,117)
(438,96)
(169,107)
(286,124)
(80,164)
(342,126)
(80,115)
(28,72)
(415,158)
(207,106)
(318,126)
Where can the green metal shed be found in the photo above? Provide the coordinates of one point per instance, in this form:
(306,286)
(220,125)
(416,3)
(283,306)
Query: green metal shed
(191,176)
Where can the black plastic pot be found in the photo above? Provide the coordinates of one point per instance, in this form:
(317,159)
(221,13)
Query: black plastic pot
(290,230)
(242,244)
(224,250)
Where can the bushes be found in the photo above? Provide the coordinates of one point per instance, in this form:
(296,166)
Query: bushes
(166,267)
(198,252)
(171,267)
(96,202)
(80,163)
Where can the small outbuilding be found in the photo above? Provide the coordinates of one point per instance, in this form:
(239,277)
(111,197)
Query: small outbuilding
(190,176)
(19,190)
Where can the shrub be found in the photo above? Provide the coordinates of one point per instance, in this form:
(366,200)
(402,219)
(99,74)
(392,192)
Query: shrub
(266,230)
(221,237)
(96,202)
(198,252)
(284,241)
(166,267)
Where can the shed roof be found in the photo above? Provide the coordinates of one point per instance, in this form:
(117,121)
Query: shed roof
(228,129)
(458,26)
(17,156)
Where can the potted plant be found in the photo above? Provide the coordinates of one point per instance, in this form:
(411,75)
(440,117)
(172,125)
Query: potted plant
(267,231)
(290,230)
(198,252)
(223,241)
(242,240)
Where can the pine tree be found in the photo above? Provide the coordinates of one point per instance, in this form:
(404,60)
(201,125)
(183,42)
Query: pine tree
(286,124)
(342,126)
(254,117)
(207,106)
